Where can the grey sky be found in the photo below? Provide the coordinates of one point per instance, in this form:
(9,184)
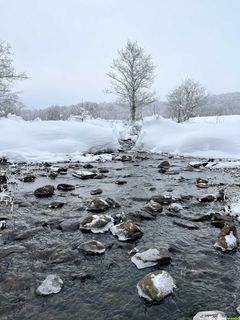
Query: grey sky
(66,46)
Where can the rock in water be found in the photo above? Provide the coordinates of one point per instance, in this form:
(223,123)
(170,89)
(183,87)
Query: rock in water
(92,247)
(97,223)
(210,315)
(29,178)
(56,205)
(65,187)
(96,191)
(154,206)
(151,257)
(227,238)
(46,191)
(155,286)
(176,207)
(164,166)
(98,205)
(84,174)
(51,285)
(126,231)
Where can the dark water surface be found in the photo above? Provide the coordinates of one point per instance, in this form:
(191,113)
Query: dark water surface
(104,287)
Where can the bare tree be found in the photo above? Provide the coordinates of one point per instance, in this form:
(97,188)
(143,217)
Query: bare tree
(186,100)
(132,76)
(9,101)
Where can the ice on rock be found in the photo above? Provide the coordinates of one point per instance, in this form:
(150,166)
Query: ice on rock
(210,315)
(151,257)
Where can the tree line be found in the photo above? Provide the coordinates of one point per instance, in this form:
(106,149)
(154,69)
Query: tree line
(131,76)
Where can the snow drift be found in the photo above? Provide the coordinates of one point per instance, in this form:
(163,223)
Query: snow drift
(207,137)
(54,140)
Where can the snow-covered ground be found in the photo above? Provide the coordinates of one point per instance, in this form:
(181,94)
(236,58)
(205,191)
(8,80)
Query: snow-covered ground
(55,140)
(207,137)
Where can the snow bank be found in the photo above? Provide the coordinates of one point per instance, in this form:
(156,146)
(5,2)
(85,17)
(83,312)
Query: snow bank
(207,137)
(54,140)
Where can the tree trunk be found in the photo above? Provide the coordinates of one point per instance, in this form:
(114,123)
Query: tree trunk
(133,112)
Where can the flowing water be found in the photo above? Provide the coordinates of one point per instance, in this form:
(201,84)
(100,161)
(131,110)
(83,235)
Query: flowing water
(104,287)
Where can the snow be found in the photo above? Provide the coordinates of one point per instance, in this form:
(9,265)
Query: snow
(231,241)
(53,141)
(148,258)
(210,315)
(200,137)
(51,285)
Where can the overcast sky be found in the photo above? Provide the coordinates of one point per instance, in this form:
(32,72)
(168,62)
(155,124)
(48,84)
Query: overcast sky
(66,46)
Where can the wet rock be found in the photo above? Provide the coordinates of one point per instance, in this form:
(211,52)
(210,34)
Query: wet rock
(69,225)
(84,174)
(187,225)
(113,203)
(151,257)
(96,191)
(98,204)
(51,285)
(218,220)
(97,223)
(56,205)
(154,206)
(120,182)
(103,170)
(29,178)
(227,238)
(218,196)
(62,170)
(88,166)
(92,247)
(7,250)
(65,187)
(164,199)
(165,165)
(155,286)
(198,164)
(176,207)
(52,174)
(210,315)
(126,231)
(46,191)
(201,183)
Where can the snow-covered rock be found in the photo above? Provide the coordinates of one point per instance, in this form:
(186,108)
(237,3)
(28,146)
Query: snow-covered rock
(151,257)
(126,231)
(155,286)
(92,247)
(97,223)
(84,174)
(154,206)
(227,238)
(210,315)
(98,204)
(176,207)
(51,285)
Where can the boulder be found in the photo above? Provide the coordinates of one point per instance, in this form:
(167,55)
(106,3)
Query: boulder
(44,192)
(151,257)
(51,285)
(97,223)
(92,247)
(227,238)
(126,231)
(210,315)
(155,286)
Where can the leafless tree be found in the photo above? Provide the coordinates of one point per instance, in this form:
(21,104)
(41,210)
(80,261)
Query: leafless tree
(9,101)
(186,100)
(132,76)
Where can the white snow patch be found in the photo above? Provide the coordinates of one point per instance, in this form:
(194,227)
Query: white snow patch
(148,258)
(53,141)
(231,241)
(210,315)
(198,137)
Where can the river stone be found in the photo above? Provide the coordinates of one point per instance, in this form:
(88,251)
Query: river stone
(164,199)
(176,207)
(164,166)
(154,206)
(88,166)
(29,178)
(155,286)
(69,225)
(96,191)
(65,187)
(207,198)
(52,174)
(97,223)
(84,174)
(46,191)
(151,257)
(51,285)
(56,205)
(126,231)
(227,238)
(92,247)
(210,315)
(98,204)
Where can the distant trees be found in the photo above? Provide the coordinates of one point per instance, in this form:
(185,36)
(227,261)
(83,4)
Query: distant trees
(9,101)
(186,100)
(132,76)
